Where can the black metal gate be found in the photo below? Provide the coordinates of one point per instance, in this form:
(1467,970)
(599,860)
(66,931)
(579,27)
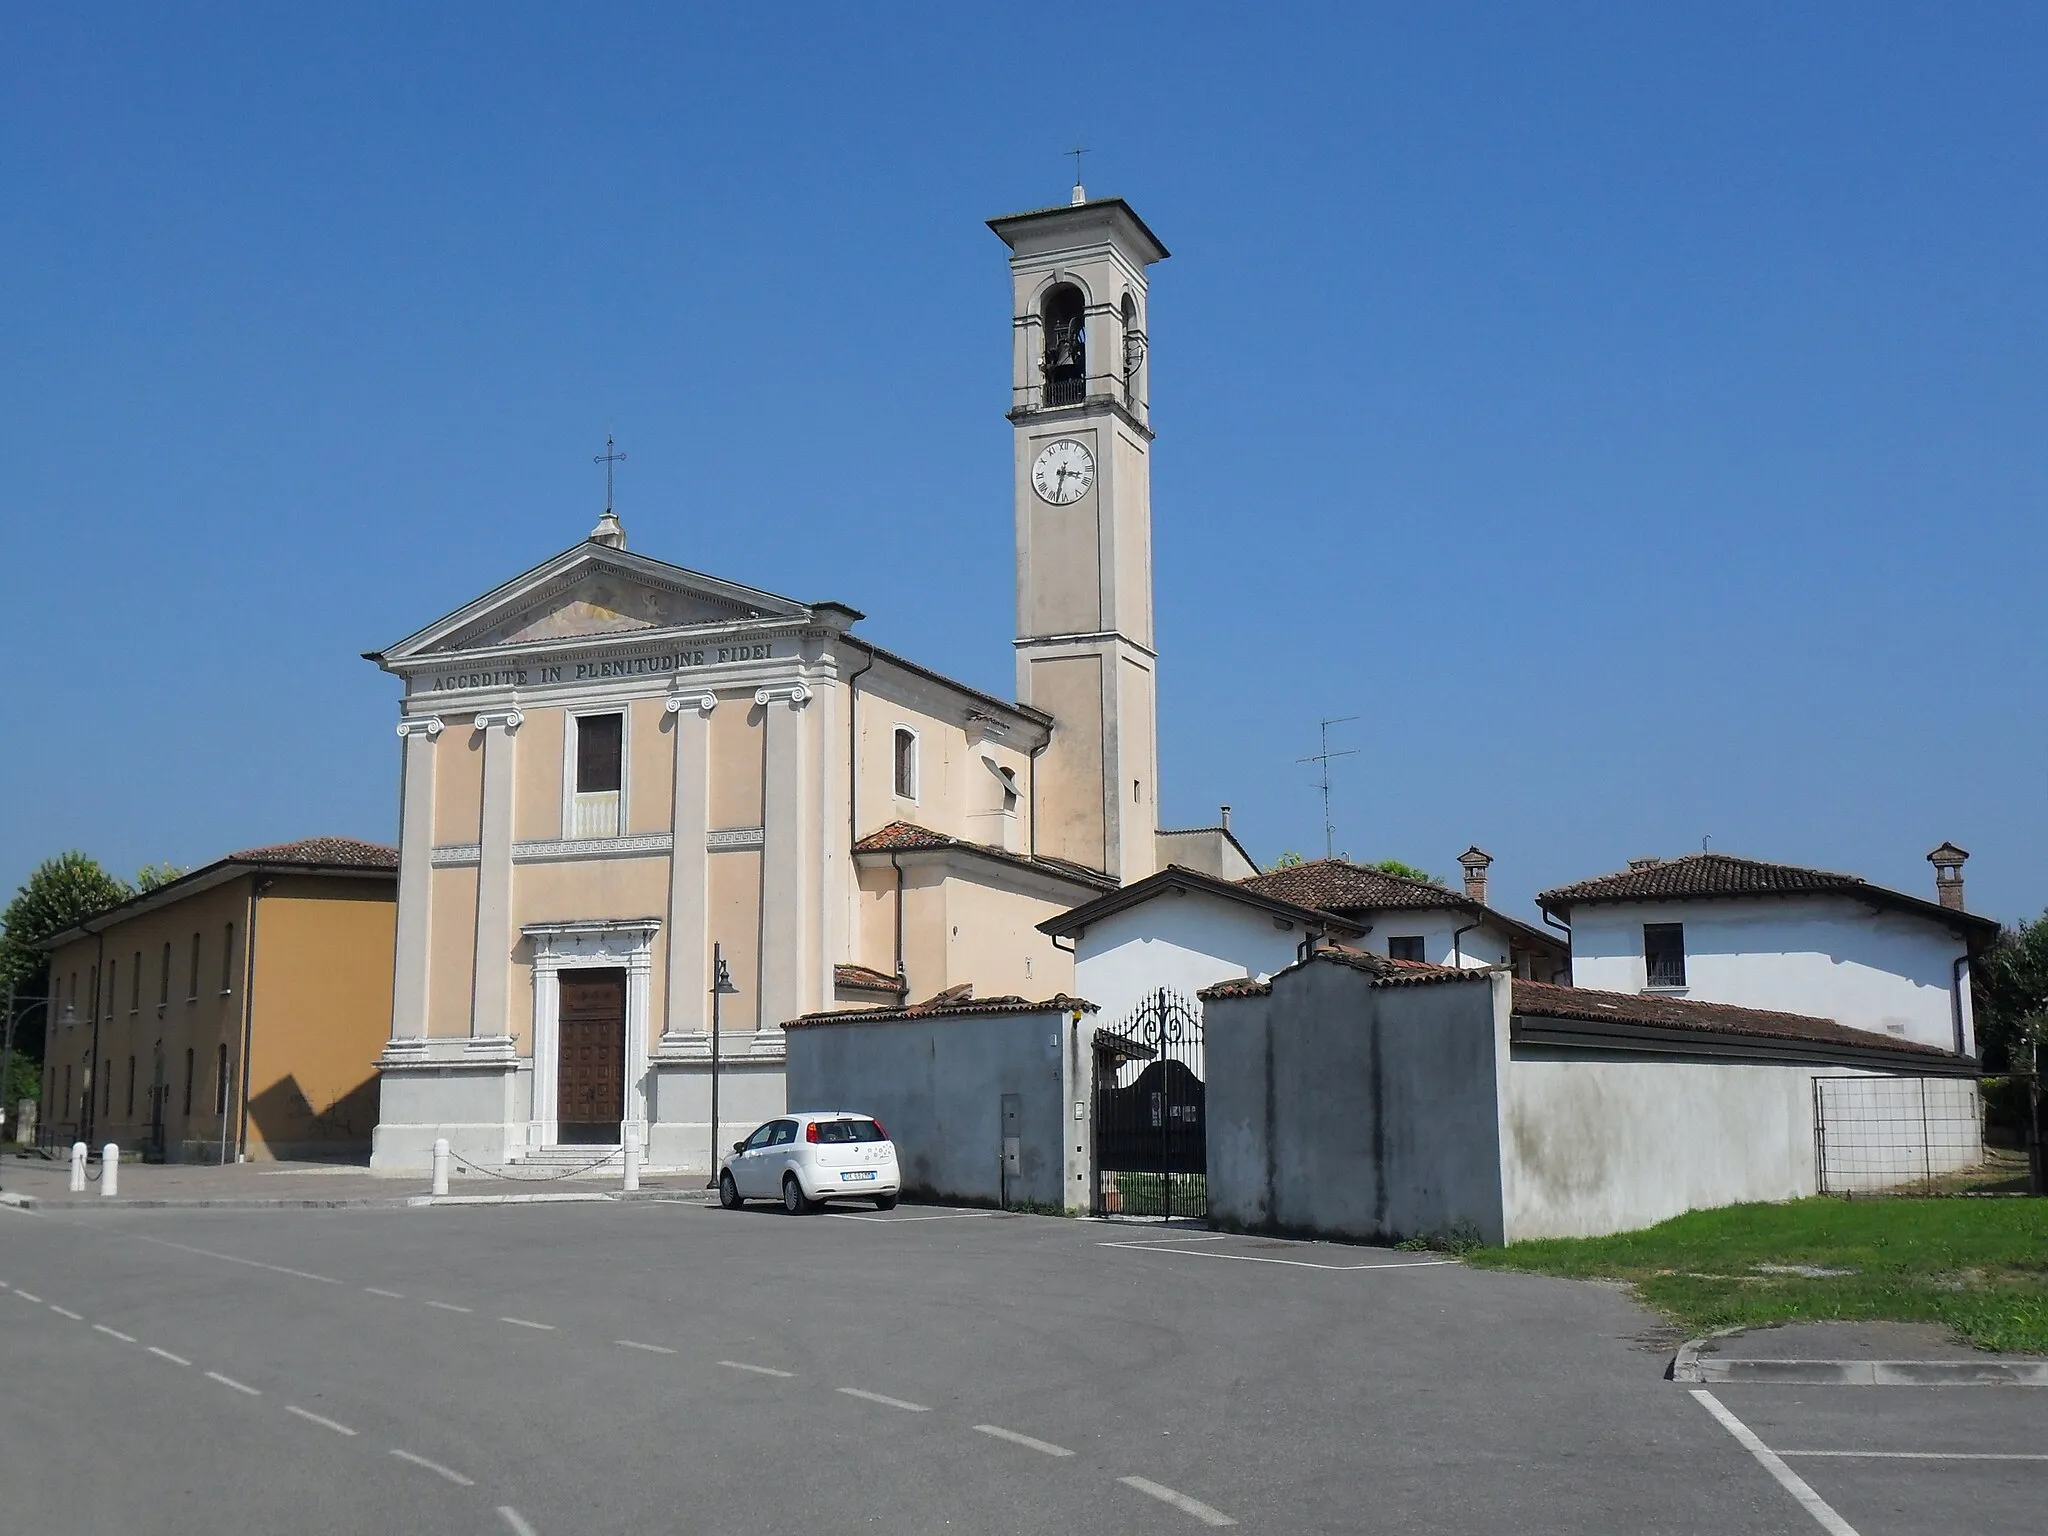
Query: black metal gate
(1151,1147)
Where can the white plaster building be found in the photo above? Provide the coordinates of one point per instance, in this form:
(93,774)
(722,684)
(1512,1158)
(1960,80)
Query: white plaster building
(1716,928)
(1182,930)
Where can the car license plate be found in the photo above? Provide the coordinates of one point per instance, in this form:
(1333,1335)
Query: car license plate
(865,1173)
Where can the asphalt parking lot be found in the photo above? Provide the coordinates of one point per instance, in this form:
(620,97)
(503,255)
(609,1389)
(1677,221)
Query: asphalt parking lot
(577,1368)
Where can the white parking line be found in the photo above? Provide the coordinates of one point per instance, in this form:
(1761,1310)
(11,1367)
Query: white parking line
(758,1370)
(229,1258)
(1024,1440)
(25,1296)
(1184,1252)
(174,1359)
(886,1402)
(378,1291)
(447,1306)
(1179,1501)
(652,1349)
(113,1333)
(314,1418)
(1930,1455)
(1816,1506)
(66,1312)
(947,1216)
(513,1518)
(520,1322)
(436,1468)
(229,1381)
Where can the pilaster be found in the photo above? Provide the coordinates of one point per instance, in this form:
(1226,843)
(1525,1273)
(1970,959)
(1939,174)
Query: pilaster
(488,1020)
(689,983)
(415,876)
(782,854)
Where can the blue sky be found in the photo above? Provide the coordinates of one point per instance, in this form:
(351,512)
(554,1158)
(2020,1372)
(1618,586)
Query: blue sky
(1637,419)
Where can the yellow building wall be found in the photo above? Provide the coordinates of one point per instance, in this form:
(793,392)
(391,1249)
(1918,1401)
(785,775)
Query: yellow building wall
(956,793)
(451,949)
(650,767)
(458,782)
(331,937)
(322,1011)
(734,748)
(584,888)
(733,913)
(537,774)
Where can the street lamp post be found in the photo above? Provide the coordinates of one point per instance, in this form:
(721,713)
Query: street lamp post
(7,1050)
(721,987)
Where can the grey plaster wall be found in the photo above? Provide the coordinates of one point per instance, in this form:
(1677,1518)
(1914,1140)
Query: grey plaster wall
(937,1084)
(1351,1111)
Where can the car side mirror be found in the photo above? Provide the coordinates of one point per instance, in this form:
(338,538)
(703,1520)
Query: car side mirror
(739,1146)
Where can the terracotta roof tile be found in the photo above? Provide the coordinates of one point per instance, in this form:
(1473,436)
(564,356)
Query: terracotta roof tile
(340,852)
(1541,999)
(1384,972)
(1713,875)
(861,978)
(908,837)
(940,1007)
(1335,884)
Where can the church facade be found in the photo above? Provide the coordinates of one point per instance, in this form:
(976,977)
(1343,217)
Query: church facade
(618,772)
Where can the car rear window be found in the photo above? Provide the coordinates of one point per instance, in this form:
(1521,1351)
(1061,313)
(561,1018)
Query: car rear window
(849,1130)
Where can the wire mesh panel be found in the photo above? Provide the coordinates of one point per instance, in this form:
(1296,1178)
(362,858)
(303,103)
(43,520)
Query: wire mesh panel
(1875,1133)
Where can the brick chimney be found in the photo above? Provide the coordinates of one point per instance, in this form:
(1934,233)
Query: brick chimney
(1948,875)
(1475,861)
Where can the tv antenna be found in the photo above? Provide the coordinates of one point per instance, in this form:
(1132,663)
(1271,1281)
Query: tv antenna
(1323,758)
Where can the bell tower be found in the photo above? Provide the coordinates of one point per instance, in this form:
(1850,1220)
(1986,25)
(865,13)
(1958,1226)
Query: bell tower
(1078,403)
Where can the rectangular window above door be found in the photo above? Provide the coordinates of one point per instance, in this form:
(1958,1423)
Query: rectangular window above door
(600,775)
(1407,947)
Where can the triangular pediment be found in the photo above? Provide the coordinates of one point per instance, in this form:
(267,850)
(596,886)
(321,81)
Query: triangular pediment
(594,590)
(597,602)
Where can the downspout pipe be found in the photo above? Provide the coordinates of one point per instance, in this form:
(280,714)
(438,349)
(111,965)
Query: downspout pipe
(257,886)
(1955,996)
(91,1121)
(1457,948)
(1566,930)
(896,864)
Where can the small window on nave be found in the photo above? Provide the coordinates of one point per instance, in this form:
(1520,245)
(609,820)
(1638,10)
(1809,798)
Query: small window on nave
(906,763)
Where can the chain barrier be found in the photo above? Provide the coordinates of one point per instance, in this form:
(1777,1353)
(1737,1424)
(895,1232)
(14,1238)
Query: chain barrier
(545,1178)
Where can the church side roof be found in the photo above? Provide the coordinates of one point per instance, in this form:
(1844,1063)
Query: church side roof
(1176,878)
(908,837)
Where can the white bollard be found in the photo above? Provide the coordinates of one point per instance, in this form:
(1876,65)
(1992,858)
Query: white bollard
(441,1165)
(110,1171)
(632,1160)
(78,1167)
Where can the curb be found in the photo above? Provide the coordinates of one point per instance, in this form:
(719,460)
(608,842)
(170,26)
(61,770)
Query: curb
(567,1197)
(1687,1366)
(349,1202)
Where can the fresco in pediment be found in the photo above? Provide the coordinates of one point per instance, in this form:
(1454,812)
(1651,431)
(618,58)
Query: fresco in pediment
(603,605)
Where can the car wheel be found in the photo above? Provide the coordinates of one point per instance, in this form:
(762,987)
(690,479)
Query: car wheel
(885,1202)
(729,1192)
(794,1200)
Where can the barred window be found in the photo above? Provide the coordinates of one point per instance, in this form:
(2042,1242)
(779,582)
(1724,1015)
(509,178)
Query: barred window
(1664,954)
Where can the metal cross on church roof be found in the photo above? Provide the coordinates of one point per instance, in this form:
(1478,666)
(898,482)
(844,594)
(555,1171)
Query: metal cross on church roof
(608,458)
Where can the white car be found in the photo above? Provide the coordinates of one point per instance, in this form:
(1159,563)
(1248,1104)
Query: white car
(804,1160)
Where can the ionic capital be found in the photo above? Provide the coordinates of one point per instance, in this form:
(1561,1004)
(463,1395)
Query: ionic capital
(421,725)
(703,703)
(508,720)
(798,694)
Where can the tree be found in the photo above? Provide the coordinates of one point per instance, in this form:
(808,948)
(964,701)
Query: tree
(150,876)
(2010,992)
(1288,860)
(1404,871)
(62,891)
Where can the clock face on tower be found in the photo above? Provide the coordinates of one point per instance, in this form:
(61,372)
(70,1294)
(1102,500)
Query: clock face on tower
(1063,471)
